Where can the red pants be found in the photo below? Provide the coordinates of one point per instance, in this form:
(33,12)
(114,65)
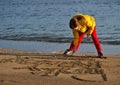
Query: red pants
(95,40)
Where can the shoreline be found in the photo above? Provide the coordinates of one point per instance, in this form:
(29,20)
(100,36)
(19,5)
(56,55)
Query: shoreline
(18,67)
(55,47)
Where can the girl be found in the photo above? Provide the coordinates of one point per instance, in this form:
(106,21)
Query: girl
(82,24)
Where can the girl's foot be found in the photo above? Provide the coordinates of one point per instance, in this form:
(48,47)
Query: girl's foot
(68,52)
(100,54)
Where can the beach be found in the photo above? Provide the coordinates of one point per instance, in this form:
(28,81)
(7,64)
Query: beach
(35,33)
(18,67)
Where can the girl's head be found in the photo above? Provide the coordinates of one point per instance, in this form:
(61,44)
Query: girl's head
(74,22)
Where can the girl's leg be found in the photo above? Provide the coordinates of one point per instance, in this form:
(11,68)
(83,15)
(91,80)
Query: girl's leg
(72,47)
(96,41)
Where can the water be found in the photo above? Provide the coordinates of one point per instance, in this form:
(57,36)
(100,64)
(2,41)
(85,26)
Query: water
(47,20)
(56,47)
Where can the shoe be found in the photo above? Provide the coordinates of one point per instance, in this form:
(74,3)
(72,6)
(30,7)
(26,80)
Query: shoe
(100,54)
(68,52)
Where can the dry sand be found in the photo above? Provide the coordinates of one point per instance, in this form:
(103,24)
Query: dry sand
(33,68)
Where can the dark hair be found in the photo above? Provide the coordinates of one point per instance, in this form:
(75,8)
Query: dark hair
(79,18)
(75,21)
(72,23)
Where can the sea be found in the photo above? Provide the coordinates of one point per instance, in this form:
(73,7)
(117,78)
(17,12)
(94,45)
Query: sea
(47,21)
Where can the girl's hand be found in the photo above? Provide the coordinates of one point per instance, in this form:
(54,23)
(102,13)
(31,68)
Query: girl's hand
(88,38)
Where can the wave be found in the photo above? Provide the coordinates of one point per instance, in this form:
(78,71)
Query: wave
(54,39)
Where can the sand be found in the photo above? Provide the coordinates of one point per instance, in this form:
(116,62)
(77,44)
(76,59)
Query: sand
(40,68)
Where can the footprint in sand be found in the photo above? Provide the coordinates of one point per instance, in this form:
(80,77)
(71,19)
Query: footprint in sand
(8,82)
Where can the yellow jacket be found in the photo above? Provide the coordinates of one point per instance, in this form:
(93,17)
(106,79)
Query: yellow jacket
(87,25)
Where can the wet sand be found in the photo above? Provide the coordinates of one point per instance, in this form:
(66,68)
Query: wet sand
(52,68)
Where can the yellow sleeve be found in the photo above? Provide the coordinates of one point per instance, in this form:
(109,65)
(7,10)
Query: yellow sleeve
(76,36)
(91,23)
(90,30)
